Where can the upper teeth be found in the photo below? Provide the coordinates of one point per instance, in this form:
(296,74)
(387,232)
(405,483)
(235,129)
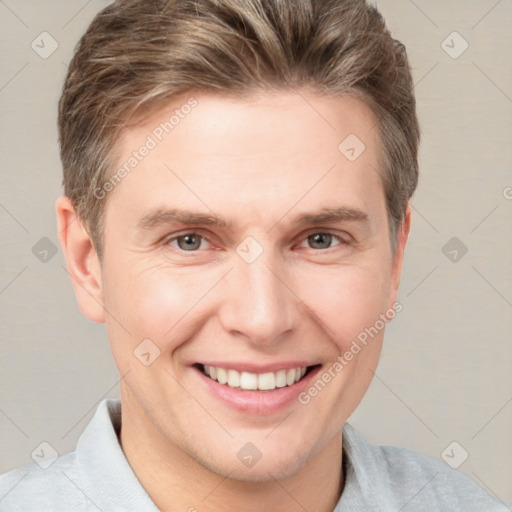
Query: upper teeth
(261,381)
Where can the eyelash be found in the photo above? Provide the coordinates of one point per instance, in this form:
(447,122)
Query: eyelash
(341,240)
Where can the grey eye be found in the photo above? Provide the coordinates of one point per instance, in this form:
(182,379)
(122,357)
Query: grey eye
(189,242)
(322,239)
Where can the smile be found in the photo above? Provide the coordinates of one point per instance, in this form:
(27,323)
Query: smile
(255,381)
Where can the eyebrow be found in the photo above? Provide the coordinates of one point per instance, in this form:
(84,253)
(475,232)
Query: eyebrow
(161,217)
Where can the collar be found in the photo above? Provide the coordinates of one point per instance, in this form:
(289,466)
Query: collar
(107,478)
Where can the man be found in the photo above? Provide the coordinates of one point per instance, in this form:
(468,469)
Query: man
(237,177)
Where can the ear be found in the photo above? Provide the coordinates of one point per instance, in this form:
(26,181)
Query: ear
(82,261)
(398,256)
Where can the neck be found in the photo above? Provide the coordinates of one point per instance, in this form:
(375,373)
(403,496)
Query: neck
(176,481)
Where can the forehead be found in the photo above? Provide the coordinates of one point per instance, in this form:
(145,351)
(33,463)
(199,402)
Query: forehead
(258,119)
(268,150)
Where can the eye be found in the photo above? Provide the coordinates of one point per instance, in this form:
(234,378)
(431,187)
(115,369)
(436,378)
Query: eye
(192,242)
(187,242)
(323,240)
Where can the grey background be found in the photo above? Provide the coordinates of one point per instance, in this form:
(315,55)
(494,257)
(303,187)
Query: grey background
(445,373)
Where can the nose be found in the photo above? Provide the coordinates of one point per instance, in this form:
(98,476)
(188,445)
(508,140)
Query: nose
(259,305)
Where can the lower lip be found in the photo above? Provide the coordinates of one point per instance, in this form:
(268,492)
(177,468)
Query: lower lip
(257,402)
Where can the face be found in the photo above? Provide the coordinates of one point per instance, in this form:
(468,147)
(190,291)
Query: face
(245,246)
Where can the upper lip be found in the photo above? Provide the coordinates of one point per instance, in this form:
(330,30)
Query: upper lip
(258,368)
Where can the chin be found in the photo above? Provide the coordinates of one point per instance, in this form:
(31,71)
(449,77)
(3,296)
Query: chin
(274,466)
(261,473)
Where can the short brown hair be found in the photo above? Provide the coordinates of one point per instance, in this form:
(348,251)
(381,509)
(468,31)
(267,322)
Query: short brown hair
(138,54)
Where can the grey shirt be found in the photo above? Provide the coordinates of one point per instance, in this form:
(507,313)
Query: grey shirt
(97,477)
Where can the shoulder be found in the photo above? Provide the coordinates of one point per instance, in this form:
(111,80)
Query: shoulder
(431,478)
(409,479)
(95,476)
(52,488)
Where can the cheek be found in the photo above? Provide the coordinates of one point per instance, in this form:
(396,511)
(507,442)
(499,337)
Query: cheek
(167,305)
(348,300)
(147,303)
(161,304)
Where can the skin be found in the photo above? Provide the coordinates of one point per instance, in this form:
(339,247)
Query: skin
(258,163)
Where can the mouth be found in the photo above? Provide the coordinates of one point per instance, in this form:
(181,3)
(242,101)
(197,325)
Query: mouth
(249,381)
(253,389)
